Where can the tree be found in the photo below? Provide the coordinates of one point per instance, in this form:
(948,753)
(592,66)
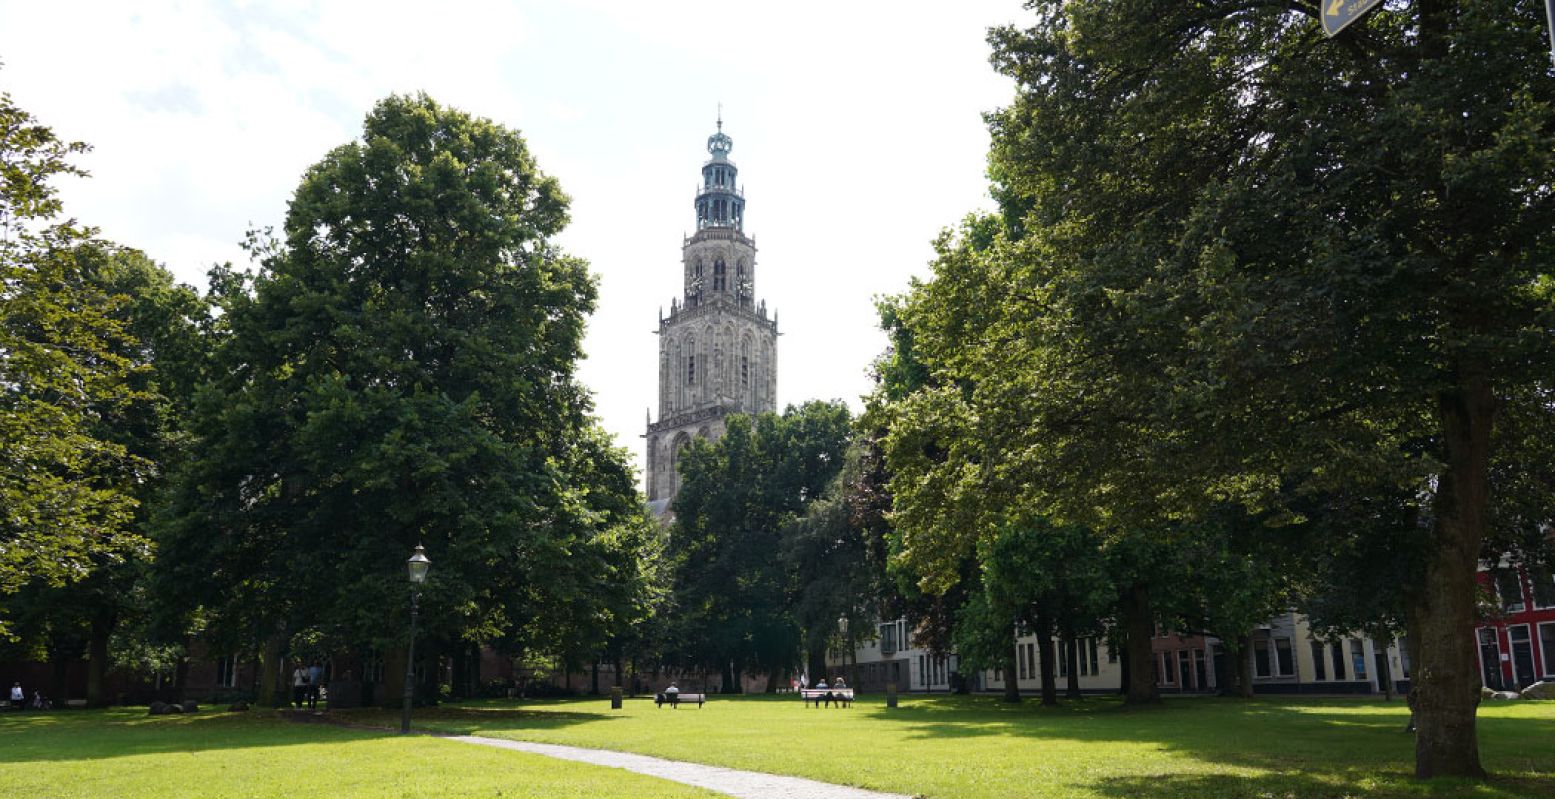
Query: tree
(738,496)
(401,371)
(67,484)
(1257,265)
(835,584)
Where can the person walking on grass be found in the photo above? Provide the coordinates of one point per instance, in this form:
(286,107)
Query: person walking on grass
(18,696)
(299,685)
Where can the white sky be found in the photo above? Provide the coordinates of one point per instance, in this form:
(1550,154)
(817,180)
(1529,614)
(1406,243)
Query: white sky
(856,128)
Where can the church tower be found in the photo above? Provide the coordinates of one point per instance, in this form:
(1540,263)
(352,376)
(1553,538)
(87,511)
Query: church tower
(717,347)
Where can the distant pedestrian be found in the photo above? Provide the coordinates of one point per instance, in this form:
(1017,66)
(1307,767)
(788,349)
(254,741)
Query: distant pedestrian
(315,672)
(299,685)
(18,697)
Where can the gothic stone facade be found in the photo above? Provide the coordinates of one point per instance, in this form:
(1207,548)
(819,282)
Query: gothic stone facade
(717,346)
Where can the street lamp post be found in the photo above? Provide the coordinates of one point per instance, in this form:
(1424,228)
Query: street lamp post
(418,565)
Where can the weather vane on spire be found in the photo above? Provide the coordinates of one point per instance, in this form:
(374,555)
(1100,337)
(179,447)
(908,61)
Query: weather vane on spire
(720,115)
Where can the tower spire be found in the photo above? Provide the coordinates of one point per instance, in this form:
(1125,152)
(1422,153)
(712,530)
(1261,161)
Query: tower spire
(720,203)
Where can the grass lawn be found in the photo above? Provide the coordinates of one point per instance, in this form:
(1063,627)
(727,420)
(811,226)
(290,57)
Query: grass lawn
(122,753)
(979,748)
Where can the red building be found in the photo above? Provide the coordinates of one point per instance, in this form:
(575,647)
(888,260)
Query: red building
(1517,649)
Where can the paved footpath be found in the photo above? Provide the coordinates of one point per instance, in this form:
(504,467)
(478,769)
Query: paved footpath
(742,784)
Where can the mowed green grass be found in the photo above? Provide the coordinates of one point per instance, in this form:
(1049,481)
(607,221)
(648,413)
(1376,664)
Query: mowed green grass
(980,748)
(120,754)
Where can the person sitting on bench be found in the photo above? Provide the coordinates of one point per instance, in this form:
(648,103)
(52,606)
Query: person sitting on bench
(672,695)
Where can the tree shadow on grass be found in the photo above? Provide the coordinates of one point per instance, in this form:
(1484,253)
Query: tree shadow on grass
(95,735)
(1281,786)
(473,719)
(1319,749)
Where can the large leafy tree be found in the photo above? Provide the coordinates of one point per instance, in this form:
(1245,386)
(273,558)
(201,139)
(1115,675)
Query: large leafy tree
(68,372)
(401,371)
(1253,266)
(739,496)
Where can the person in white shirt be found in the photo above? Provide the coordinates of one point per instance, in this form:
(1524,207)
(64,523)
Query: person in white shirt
(299,685)
(822,684)
(17,696)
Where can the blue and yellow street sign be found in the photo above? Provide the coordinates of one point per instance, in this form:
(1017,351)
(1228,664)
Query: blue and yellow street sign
(1337,14)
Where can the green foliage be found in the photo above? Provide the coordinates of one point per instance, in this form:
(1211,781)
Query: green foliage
(738,497)
(73,382)
(401,371)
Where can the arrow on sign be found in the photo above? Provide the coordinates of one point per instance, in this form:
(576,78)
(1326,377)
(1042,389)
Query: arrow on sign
(1338,14)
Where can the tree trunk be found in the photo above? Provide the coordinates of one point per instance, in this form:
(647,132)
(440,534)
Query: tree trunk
(97,659)
(594,678)
(272,679)
(1045,658)
(1139,626)
(1011,664)
(61,680)
(1412,650)
(817,665)
(1244,665)
(1123,669)
(1445,677)
(1238,682)
(181,676)
(1072,665)
(461,681)
(617,664)
(852,658)
(391,692)
(728,678)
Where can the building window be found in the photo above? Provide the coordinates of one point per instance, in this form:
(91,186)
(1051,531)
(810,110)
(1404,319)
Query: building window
(227,672)
(1358,658)
(1319,666)
(1511,590)
(923,671)
(718,275)
(1543,588)
(1092,648)
(1336,653)
(1403,656)
(1263,665)
(1165,670)
(1284,657)
(1547,646)
(745,371)
(691,370)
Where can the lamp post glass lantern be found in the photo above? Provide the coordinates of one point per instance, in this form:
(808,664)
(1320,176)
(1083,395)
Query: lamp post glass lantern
(417,565)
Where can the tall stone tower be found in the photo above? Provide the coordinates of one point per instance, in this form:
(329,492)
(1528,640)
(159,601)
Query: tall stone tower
(717,347)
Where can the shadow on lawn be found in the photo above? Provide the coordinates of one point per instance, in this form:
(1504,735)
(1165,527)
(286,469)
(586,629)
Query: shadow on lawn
(468,720)
(1173,786)
(95,735)
(1310,750)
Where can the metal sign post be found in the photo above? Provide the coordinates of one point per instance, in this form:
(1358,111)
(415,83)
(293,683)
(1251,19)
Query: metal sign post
(1338,14)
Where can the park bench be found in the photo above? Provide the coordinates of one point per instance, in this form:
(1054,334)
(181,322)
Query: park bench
(676,700)
(817,696)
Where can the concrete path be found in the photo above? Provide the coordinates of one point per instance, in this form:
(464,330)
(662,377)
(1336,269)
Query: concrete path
(741,784)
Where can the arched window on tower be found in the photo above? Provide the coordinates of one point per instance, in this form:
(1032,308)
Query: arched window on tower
(691,370)
(718,275)
(745,367)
